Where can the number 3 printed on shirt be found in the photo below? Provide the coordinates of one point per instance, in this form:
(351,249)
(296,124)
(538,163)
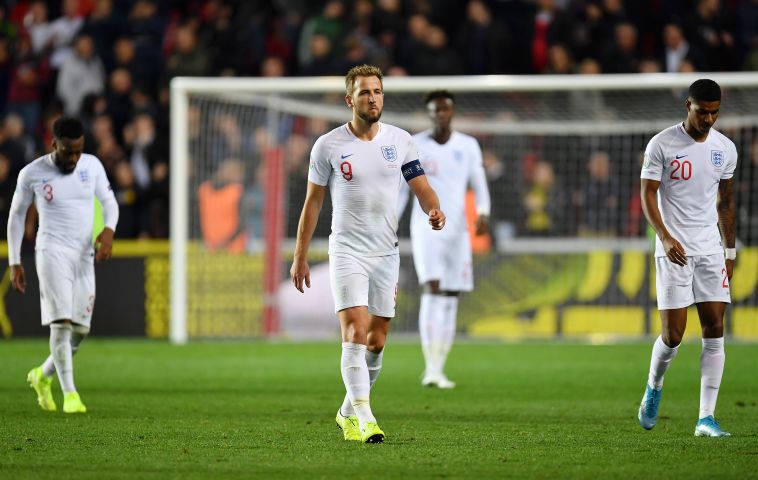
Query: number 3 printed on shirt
(48,191)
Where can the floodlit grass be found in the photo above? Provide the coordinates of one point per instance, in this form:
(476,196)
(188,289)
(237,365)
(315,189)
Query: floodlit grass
(260,410)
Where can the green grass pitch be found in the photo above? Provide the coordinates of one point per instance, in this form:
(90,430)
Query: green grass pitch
(264,410)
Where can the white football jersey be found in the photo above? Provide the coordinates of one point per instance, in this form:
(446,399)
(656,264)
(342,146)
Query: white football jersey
(364,179)
(450,168)
(689,172)
(65,203)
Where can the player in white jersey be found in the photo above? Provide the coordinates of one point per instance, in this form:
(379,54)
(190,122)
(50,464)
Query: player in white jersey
(686,196)
(62,186)
(363,162)
(452,161)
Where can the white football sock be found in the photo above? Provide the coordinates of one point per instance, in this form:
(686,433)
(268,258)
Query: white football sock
(356,378)
(374,365)
(430,325)
(60,349)
(711,369)
(447,332)
(660,360)
(78,333)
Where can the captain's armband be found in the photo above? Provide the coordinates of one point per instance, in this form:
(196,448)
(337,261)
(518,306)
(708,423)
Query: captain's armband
(412,170)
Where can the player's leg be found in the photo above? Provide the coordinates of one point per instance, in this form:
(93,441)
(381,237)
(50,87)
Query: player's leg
(711,288)
(78,334)
(349,281)
(430,325)
(675,294)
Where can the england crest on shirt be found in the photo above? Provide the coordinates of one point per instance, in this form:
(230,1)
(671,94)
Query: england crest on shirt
(717,158)
(84,176)
(389,153)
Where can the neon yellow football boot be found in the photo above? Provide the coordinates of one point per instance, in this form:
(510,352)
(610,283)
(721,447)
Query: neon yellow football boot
(72,403)
(349,426)
(41,384)
(371,433)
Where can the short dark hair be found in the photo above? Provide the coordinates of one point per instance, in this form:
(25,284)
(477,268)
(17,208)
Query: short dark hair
(435,94)
(68,127)
(705,90)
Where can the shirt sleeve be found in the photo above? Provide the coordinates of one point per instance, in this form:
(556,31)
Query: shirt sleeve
(320,168)
(104,193)
(22,198)
(411,151)
(731,162)
(479,180)
(652,164)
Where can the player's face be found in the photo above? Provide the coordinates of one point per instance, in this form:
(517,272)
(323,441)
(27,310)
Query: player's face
(367,100)
(441,112)
(702,115)
(67,153)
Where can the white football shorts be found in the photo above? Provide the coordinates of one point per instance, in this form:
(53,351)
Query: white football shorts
(703,279)
(66,286)
(369,281)
(444,258)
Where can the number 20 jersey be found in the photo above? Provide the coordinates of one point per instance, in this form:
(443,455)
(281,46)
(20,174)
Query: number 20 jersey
(689,172)
(364,183)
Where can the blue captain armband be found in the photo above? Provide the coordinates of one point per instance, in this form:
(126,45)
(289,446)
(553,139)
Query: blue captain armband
(412,170)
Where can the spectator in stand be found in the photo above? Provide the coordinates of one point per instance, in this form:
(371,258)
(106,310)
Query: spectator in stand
(413,41)
(622,56)
(435,57)
(708,28)
(146,27)
(542,202)
(560,61)
(329,24)
(13,127)
(483,41)
(321,60)
(119,99)
(676,49)
(549,25)
(598,200)
(80,74)
(58,36)
(104,25)
(188,59)
(130,202)
(28,76)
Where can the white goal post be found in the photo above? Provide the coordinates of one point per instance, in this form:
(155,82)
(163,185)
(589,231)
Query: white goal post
(537,106)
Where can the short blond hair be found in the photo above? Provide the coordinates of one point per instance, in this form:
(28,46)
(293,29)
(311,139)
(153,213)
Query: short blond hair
(361,71)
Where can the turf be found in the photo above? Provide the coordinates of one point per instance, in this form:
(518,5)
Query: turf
(262,410)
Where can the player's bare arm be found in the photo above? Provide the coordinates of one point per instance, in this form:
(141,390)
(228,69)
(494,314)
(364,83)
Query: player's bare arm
(314,200)
(104,244)
(674,250)
(726,208)
(428,201)
(482,224)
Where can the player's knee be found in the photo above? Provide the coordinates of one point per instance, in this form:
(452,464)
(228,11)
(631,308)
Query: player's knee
(433,287)
(672,338)
(375,344)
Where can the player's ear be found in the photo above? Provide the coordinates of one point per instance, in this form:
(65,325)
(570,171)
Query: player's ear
(687,104)
(349,101)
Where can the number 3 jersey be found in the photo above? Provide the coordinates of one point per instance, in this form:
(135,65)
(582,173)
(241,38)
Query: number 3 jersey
(364,179)
(689,172)
(65,203)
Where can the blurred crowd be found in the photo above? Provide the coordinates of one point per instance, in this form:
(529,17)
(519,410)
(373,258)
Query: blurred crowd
(110,62)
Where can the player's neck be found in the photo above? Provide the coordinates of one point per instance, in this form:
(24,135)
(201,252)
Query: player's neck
(363,130)
(697,136)
(442,136)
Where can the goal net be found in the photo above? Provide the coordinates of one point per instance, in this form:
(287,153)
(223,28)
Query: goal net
(568,252)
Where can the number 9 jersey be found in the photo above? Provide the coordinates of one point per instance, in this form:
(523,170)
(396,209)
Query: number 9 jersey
(689,172)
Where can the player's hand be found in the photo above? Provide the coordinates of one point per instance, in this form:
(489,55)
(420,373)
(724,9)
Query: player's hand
(482,225)
(729,268)
(18,278)
(300,273)
(104,245)
(436,219)
(674,251)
